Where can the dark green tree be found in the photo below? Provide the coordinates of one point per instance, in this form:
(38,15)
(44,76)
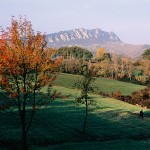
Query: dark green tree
(85,85)
(75,52)
(146,54)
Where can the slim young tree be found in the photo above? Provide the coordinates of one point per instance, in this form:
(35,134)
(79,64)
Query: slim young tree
(26,65)
(85,85)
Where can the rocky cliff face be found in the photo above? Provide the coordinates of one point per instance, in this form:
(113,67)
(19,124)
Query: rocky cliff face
(93,39)
(81,36)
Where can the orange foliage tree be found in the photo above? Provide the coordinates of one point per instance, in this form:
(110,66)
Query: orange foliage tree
(26,65)
(100,53)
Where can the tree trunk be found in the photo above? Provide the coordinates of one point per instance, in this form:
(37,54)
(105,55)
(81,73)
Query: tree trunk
(112,75)
(85,120)
(24,134)
(130,78)
(24,140)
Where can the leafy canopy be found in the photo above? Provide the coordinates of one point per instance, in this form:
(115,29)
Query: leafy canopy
(75,52)
(26,64)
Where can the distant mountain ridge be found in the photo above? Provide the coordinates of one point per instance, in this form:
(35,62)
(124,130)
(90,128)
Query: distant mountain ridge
(92,39)
(81,36)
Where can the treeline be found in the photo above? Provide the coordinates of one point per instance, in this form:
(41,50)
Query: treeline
(107,65)
(124,68)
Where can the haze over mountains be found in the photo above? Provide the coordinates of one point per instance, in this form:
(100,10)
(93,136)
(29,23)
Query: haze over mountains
(93,39)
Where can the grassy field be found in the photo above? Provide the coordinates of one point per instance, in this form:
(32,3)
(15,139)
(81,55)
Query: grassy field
(112,124)
(101,84)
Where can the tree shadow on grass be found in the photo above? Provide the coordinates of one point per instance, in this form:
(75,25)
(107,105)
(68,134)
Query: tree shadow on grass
(62,122)
(110,125)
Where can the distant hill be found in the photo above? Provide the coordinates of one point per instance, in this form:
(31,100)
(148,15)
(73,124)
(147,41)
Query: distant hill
(93,39)
(130,50)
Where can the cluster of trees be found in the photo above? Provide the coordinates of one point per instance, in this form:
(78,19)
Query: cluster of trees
(75,52)
(107,65)
(74,59)
(122,67)
(118,67)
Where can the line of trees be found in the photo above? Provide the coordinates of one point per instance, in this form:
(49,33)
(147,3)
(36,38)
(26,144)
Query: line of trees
(108,65)
(124,68)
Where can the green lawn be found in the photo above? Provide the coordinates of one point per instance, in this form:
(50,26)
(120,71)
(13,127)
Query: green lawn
(101,84)
(112,124)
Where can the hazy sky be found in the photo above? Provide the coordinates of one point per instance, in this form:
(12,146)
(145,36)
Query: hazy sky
(129,19)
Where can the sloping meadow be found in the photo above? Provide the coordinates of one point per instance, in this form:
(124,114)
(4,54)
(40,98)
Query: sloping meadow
(111,124)
(100,84)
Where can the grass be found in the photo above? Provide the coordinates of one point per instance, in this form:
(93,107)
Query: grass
(112,124)
(2,97)
(102,84)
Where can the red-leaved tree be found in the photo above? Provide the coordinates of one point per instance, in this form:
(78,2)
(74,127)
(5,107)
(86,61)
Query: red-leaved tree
(26,65)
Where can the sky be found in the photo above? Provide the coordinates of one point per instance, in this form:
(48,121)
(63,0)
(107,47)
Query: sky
(129,19)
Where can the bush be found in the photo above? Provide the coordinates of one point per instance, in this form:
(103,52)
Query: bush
(142,97)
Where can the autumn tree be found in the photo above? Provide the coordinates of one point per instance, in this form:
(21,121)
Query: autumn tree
(130,68)
(26,65)
(145,66)
(100,53)
(146,62)
(115,66)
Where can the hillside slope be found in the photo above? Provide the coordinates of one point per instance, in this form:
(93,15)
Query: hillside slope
(101,84)
(112,124)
